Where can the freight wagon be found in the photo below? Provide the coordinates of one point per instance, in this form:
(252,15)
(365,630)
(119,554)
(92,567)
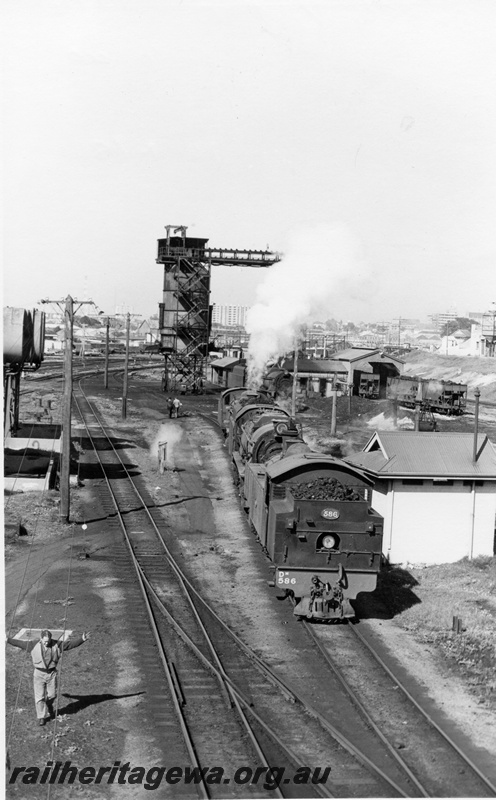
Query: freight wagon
(443,397)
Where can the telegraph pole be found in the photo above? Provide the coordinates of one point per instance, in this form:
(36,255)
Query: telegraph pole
(334,404)
(295,378)
(477,395)
(65,467)
(65,454)
(126,366)
(107,345)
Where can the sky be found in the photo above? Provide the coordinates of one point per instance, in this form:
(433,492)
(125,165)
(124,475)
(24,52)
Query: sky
(251,122)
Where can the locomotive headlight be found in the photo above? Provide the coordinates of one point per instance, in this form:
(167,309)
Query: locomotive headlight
(329,542)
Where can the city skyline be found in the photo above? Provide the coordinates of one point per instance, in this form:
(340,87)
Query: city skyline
(235,316)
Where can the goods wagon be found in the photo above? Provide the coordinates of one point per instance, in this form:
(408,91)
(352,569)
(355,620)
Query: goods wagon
(443,397)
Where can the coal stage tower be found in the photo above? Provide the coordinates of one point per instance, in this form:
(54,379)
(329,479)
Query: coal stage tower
(185,311)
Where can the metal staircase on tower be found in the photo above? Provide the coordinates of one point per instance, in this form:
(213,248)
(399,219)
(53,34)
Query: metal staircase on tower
(185,311)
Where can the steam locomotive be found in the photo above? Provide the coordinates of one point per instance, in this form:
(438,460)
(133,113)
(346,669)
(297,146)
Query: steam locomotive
(310,511)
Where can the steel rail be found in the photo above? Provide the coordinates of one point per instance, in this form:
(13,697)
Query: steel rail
(204,793)
(89,371)
(334,732)
(292,695)
(424,713)
(219,672)
(370,721)
(236,693)
(358,703)
(225,684)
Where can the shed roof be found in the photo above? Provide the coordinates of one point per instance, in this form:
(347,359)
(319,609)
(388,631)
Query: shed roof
(355,353)
(427,454)
(321,365)
(224,362)
(366,354)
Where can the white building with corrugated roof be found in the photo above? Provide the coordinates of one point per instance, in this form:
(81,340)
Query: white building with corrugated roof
(438,502)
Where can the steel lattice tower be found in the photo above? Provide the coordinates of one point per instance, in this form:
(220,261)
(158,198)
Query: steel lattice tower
(185,313)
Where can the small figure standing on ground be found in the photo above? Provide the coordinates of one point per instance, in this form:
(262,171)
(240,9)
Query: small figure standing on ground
(170,406)
(177,405)
(45,654)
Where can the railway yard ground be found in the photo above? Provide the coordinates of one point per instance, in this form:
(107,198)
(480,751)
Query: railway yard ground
(62,575)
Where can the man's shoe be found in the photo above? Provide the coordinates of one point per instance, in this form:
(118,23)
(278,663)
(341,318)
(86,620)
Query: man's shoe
(41,722)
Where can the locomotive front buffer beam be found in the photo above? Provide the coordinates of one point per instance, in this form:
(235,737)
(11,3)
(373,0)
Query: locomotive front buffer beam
(320,599)
(326,600)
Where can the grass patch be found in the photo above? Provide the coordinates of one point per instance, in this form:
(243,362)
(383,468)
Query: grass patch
(424,602)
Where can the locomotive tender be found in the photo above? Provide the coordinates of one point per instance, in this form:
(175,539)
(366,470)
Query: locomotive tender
(310,511)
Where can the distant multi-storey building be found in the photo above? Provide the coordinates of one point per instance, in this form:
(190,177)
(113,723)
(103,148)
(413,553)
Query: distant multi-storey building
(229,315)
(440,320)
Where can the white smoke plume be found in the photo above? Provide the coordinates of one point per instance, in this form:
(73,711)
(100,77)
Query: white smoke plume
(171,433)
(304,286)
(383,423)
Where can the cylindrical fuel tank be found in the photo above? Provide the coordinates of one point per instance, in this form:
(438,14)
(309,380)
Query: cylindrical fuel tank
(38,342)
(23,336)
(17,327)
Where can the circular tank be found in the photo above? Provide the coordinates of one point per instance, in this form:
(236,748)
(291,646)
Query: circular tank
(16,329)
(23,336)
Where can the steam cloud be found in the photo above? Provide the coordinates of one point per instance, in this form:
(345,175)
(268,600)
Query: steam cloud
(320,265)
(171,433)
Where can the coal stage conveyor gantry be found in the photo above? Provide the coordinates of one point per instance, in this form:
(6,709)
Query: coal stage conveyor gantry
(185,312)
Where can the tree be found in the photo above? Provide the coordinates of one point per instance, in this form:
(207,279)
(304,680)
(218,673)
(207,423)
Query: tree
(332,325)
(459,323)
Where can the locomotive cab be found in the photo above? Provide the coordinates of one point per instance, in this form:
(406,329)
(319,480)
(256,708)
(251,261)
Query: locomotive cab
(226,398)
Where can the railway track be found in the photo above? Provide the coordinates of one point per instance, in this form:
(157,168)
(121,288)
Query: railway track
(431,757)
(221,664)
(436,764)
(81,371)
(205,683)
(201,694)
(204,656)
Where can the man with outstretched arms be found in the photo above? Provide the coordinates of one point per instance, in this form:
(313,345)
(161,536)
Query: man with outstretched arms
(45,654)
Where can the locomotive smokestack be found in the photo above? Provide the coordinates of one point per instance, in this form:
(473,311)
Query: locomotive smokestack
(476,424)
